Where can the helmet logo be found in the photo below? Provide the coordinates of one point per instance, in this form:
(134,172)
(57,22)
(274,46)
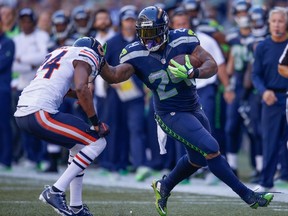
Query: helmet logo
(100,50)
(147,24)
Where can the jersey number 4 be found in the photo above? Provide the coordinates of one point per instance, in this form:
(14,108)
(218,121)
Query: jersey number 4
(52,64)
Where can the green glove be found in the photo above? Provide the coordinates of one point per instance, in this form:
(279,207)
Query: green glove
(181,71)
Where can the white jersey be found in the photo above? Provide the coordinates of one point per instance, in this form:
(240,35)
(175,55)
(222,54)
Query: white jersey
(211,46)
(53,80)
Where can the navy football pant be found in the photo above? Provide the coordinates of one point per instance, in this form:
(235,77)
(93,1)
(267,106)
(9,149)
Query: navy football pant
(274,136)
(61,128)
(192,129)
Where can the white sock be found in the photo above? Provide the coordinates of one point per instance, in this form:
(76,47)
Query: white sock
(77,182)
(76,190)
(259,162)
(80,162)
(232,160)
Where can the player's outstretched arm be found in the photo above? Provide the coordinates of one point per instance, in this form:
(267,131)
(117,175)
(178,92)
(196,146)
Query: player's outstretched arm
(208,67)
(118,73)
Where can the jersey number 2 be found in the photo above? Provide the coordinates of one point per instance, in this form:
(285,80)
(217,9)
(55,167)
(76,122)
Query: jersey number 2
(52,64)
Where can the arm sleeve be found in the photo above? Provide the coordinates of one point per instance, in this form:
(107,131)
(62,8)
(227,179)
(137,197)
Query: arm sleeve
(258,70)
(284,57)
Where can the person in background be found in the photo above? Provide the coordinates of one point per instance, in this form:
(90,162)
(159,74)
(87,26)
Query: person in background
(272,87)
(81,22)
(177,107)
(9,20)
(251,105)
(44,22)
(283,71)
(127,101)
(237,64)
(7,49)
(30,50)
(61,33)
(11,28)
(103,32)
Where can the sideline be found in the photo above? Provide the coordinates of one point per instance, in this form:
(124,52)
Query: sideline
(94,176)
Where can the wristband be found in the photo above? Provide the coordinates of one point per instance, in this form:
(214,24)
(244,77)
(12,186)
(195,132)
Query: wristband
(94,120)
(228,88)
(196,73)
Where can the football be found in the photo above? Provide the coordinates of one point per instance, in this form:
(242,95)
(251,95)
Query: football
(195,62)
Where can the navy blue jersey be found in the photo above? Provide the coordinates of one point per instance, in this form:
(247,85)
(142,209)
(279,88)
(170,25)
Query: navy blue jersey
(265,68)
(171,94)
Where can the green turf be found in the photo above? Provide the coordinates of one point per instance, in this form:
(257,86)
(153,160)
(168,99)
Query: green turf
(20,197)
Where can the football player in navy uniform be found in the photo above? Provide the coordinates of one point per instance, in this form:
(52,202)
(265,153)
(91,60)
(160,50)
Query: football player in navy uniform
(177,108)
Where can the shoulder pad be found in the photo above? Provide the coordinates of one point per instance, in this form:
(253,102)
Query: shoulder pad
(181,32)
(133,50)
(182,36)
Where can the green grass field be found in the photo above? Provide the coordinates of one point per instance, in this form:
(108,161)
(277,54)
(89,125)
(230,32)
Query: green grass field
(19,197)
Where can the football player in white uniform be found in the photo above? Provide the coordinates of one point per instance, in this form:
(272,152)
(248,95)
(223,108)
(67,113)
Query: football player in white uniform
(66,68)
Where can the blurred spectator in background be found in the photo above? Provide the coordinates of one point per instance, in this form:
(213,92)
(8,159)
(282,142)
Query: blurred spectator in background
(81,22)
(7,50)
(9,16)
(44,21)
(103,32)
(251,106)
(30,50)
(239,56)
(61,31)
(272,87)
(126,99)
(9,20)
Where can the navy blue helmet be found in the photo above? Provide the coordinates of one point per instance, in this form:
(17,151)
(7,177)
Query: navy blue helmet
(152,27)
(91,43)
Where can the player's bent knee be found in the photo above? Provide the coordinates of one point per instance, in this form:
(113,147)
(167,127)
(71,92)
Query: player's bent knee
(99,145)
(75,149)
(210,145)
(211,156)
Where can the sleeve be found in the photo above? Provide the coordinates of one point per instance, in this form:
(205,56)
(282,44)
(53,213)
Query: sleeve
(284,57)
(89,56)
(6,55)
(257,76)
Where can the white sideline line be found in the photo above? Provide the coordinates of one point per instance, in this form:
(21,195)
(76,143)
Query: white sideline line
(93,177)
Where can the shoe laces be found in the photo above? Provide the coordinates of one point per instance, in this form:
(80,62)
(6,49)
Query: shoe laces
(62,196)
(84,211)
(164,195)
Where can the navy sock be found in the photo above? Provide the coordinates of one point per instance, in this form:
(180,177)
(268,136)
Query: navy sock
(55,189)
(181,171)
(220,168)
